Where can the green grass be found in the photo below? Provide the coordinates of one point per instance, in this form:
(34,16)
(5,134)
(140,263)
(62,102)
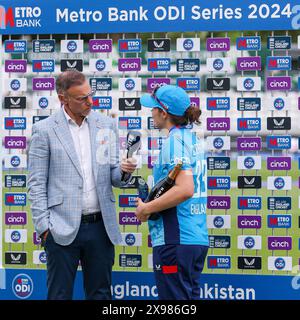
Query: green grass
(233,232)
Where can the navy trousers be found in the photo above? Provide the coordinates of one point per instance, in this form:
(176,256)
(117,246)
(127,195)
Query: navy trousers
(177,270)
(94,250)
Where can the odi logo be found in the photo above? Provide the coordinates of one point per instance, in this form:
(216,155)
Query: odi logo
(249,242)
(22,286)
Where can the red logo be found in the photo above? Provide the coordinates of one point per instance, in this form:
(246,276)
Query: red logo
(169,269)
(242,44)
(6,17)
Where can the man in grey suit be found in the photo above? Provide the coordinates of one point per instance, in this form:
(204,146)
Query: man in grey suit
(73,164)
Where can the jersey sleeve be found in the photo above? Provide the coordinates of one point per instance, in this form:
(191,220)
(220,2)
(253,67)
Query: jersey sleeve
(176,150)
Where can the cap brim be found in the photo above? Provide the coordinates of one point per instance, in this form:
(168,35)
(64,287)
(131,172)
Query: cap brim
(149,102)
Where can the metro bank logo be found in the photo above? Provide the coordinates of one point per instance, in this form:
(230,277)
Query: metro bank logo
(6,17)
(20,17)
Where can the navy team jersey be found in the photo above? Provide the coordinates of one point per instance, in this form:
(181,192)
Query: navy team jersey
(186,223)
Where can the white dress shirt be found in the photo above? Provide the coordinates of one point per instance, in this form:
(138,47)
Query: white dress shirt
(82,143)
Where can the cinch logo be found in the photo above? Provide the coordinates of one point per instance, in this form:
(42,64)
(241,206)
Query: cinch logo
(129,84)
(17,66)
(218,143)
(152,83)
(218,44)
(6,17)
(249,242)
(129,64)
(100,45)
(248,84)
(130,239)
(248,144)
(188,44)
(14,142)
(279,163)
(249,222)
(22,286)
(279,243)
(218,124)
(43,84)
(128,218)
(279,83)
(279,263)
(248,63)
(218,202)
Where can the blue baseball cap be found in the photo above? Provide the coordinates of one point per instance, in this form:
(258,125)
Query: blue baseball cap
(172,99)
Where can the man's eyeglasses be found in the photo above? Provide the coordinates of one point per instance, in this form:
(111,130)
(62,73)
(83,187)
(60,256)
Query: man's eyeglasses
(155,97)
(82,99)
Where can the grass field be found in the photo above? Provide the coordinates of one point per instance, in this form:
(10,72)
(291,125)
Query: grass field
(233,232)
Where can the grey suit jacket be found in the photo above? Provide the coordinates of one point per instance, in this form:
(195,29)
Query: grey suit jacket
(55,179)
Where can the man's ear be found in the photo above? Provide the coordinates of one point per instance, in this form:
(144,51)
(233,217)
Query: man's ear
(63,100)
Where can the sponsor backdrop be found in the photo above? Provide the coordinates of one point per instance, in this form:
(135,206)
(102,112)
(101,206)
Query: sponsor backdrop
(245,82)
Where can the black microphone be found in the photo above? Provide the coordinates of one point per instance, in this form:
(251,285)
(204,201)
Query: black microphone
(133,144)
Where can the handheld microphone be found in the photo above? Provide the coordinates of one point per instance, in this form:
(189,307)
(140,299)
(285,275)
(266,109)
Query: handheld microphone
(133,144)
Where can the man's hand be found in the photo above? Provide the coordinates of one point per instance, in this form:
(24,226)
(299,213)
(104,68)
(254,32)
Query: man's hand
(128,165)
(142,210)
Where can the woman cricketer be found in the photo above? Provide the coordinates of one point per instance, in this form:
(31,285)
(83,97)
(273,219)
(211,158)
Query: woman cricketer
(179,236)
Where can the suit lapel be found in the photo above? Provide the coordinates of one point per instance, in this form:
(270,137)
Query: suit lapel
(64,135)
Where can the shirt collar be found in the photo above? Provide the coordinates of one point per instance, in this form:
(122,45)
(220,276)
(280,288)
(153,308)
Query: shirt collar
(70,120)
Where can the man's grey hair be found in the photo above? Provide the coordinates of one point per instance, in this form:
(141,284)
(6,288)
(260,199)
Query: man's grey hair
(69,79)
